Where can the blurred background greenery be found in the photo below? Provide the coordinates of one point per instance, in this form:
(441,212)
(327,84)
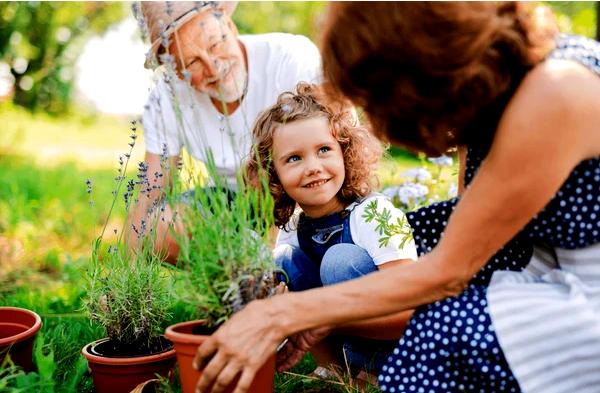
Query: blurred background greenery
(41,41)
(50,143)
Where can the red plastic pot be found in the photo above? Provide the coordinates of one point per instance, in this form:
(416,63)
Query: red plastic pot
(186,344)
(18,328)
(123,374)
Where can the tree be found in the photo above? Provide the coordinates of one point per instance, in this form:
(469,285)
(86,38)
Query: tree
(40,42)
(297,17)
(576,17)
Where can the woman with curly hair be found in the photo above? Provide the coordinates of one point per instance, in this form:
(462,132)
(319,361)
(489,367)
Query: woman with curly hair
(524,102)
(319,158)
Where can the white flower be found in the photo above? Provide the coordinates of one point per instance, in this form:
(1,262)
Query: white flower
(452,190)
(412,193)
(390,192)
(442,160)
(420,175)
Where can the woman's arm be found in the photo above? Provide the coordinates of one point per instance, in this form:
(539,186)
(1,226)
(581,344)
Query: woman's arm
(390,327)
(549,126)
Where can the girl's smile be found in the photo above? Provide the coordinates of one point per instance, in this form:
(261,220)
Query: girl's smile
(316,183)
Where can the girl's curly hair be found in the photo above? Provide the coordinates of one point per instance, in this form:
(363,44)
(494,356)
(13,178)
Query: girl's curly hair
(433,75)
(360,149)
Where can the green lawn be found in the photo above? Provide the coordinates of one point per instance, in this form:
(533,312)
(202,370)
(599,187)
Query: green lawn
(47,226)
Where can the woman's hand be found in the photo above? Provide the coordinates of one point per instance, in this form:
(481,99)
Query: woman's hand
(297,345)
(238,348)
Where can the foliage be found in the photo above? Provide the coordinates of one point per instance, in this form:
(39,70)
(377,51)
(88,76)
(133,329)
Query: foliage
(14,380)
(128,293)
(423,185)
(297,17)
(40,42)
(224,251)
(578,17)
(129,297)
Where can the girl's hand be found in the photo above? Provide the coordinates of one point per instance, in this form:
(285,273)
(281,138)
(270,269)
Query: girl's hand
(297,345)
(238,348)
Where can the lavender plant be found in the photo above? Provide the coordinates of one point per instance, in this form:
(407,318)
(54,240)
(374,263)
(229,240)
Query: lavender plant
(224,261)
(224,254)
(128,293)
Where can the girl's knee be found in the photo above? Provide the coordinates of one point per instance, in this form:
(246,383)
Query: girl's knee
(343,262)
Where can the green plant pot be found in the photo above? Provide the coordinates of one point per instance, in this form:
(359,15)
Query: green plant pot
(18,328)
(186,345)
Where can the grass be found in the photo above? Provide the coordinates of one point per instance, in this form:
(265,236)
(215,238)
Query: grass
(47,228)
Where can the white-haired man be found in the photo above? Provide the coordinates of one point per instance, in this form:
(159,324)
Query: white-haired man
(224,80)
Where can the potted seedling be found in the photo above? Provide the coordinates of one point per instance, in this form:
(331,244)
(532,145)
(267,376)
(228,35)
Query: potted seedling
(128,295)
(225,263)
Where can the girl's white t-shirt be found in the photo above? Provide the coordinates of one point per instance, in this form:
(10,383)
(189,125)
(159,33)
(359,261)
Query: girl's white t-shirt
(364,234)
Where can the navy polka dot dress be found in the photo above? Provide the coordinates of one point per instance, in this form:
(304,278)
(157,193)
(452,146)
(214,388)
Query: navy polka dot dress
(451,345)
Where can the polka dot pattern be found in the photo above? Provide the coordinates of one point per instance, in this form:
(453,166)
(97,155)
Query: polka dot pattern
(451,345)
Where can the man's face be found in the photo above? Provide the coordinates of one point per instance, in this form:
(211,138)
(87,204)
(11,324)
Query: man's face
(207,47)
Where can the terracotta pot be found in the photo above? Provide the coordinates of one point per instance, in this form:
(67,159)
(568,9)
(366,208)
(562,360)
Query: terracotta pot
(123,374)
(186,344)
(18,328)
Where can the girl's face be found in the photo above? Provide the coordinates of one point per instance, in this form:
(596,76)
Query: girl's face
(309,163)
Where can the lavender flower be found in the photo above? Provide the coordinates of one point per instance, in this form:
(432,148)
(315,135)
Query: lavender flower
(452,190)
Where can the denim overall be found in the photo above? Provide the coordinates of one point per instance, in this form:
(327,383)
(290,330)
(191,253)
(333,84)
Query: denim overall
(328,255)
(317,235)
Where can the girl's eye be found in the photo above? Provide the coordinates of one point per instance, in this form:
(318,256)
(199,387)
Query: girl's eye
(324,149)
(293,159)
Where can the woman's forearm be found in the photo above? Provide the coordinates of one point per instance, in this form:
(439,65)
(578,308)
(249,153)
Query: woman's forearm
(373,296)
(390,327)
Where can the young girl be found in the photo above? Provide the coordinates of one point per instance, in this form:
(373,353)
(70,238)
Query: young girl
(319,158)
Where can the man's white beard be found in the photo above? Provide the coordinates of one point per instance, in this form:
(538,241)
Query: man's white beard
(234,88)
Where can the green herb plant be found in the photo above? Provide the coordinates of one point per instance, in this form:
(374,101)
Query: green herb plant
(224,255)
(128,292)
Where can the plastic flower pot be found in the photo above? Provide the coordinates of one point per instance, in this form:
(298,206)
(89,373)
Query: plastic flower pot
(114,373)
(18,328)
(186,342)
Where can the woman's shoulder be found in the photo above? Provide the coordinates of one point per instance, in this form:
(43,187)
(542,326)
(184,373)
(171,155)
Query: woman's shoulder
(558,96)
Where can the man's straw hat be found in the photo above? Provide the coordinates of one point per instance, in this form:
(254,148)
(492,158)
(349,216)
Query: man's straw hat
(168,16)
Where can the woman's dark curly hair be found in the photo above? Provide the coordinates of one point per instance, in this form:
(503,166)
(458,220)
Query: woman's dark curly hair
(433,75)
(360,149)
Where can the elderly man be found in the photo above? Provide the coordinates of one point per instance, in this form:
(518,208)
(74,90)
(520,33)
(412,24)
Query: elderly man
(223,82)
